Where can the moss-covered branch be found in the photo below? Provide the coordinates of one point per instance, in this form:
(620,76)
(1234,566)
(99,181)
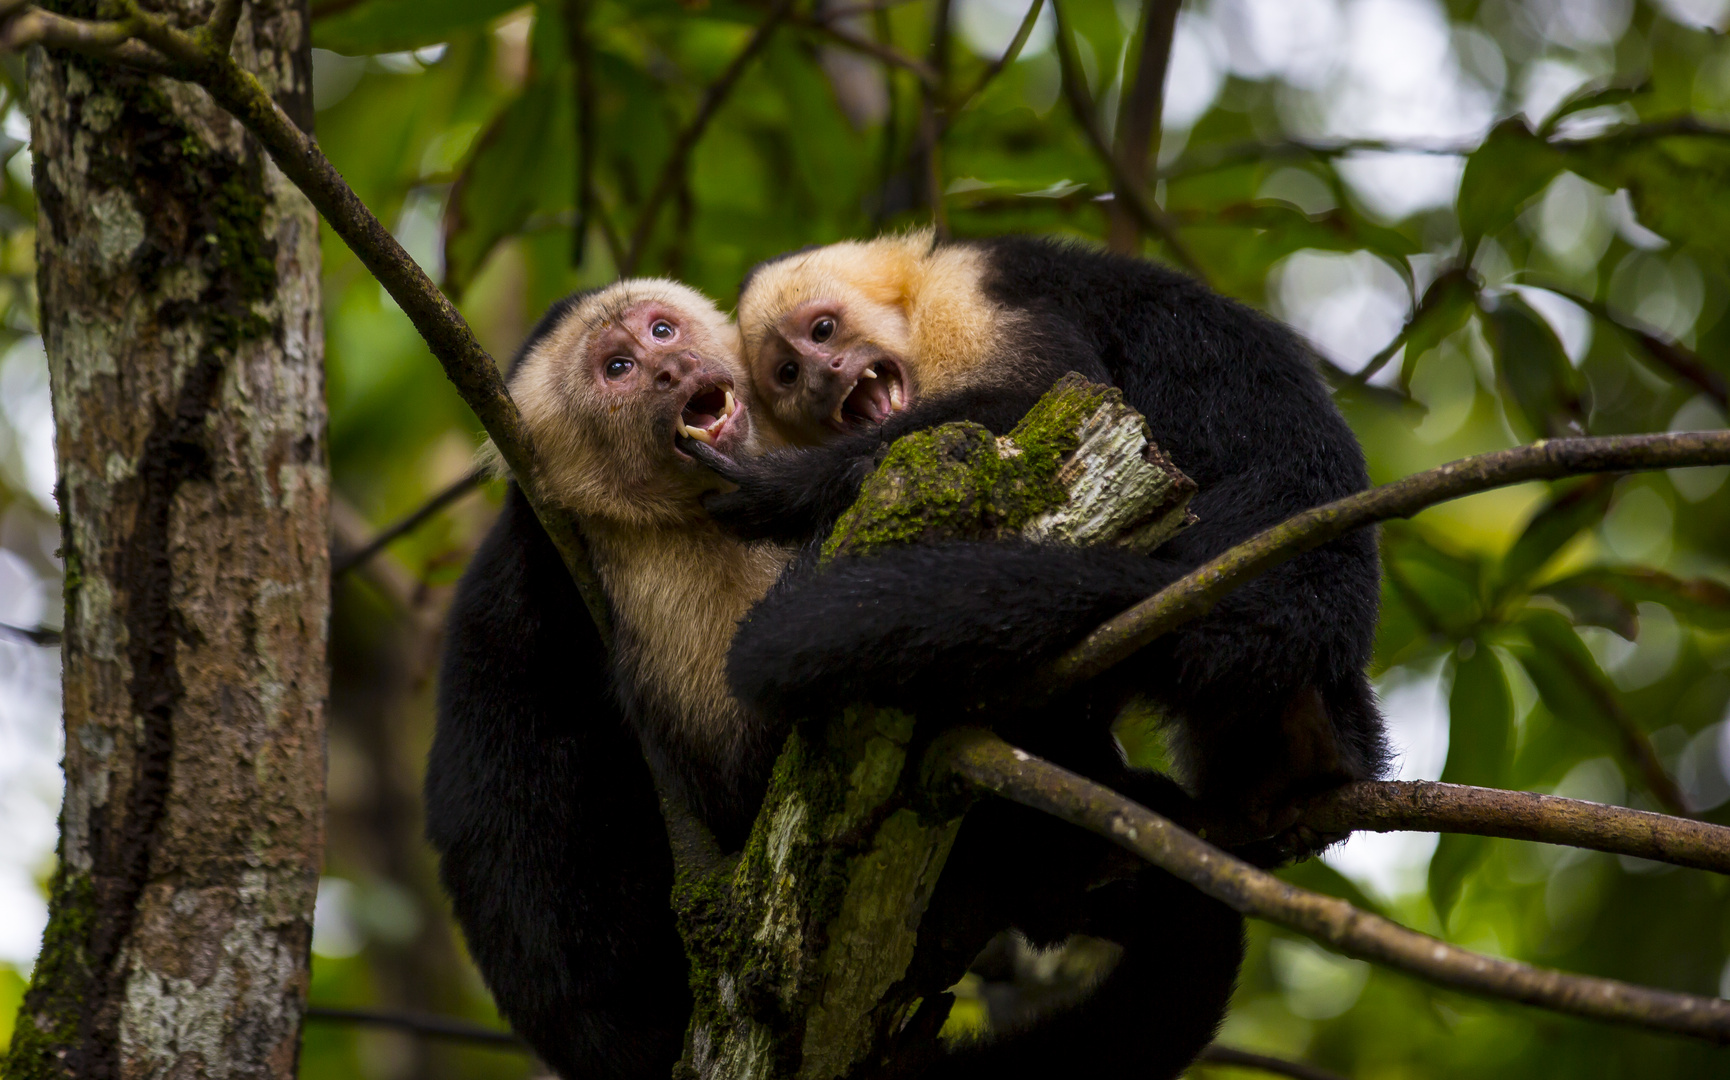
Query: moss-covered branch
(1015,774)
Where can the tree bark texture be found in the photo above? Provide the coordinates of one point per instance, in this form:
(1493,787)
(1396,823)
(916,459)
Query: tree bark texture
(179,275)
(800,949)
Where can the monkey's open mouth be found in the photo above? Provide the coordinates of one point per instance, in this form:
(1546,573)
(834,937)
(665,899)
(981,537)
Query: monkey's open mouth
(879,394)
(706,414)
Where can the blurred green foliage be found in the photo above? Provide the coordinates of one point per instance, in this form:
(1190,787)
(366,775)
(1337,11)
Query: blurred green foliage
(1570,277)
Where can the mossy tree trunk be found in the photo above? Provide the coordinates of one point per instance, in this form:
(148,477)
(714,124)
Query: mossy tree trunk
(180,308)
(799,950)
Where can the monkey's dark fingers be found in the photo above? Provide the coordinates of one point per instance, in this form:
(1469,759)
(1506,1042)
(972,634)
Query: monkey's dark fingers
(718,463)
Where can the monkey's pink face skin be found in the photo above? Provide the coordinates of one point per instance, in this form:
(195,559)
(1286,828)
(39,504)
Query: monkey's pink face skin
(608,393)
(823,371)
(653,353)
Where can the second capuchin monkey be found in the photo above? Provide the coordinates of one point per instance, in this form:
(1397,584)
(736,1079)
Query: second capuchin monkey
(856,343)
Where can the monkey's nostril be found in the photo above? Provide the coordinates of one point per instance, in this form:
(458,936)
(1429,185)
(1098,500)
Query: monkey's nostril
(835,363)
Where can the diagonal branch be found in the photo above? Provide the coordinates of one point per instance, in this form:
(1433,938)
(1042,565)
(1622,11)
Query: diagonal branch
(1021,777)
(1676,359)
(342,563)
(224,19)
(1427,806)
(673,172)
(1147,213)
(34,635)
(468,366)
(1193,594)
(997,66)
(1138,117)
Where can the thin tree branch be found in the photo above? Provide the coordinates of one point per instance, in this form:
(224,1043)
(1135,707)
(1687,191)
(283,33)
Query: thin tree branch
(219,31)
(426,1025)
(1021,777)
(582,65)
(1635,741)
(38,635)
(1145,211)
(1679,361)
(111,40)
(841,14)
(933,97)
(997,66)
(673,171)
(465,362)
(1137,136)
(1196,592)
(1428,806)
(1243,1059)
(347,561)
(888,54)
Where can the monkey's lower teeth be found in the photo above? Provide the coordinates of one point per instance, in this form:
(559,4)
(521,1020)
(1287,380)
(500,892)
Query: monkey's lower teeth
(700,434)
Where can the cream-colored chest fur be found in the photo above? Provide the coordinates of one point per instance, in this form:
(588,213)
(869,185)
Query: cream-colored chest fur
(681,592)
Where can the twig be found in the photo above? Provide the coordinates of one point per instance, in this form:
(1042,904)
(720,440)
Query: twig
(932,123)
(341,565)
(1149,215)
(38,635)
(997,66)
(888,54)
(465,362)
(1678,360)
(842,14)
(219,31)
(1196,592)
(1635,741)
(1427,806)
(1023,778)
(1137,137)
(1243,1059)
(427,1025)
(582,63)
(674,169)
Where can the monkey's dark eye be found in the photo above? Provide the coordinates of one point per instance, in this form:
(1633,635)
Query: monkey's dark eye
(619,366)
(823,329)
(662,329)
(789,373)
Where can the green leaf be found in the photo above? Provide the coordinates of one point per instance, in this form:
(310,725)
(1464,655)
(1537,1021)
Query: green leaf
(1592,605)
(1480,735)
(522,163)
(382,26)
(1456,855)
(1577,507)
(1676,184)
(1505,173)
(1534,367)
(1701,602)
(1594,95)
(1567,676)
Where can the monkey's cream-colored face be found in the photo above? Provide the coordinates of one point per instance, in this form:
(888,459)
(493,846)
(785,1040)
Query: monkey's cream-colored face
(609,390)
(827,338)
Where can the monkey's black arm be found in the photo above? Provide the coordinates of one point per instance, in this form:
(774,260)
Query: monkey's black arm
(795,495)
(549,835)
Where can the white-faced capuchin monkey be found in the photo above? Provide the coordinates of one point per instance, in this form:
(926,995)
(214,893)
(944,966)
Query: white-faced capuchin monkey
(539,800)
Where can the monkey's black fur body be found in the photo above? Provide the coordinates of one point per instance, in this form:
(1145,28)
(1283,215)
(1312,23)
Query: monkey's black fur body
(544,815)
(1269,688)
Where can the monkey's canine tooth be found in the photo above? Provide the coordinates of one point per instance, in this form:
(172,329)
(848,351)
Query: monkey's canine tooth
(699,434)
(728,411)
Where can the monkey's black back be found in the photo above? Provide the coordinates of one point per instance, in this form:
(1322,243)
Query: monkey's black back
(542,810)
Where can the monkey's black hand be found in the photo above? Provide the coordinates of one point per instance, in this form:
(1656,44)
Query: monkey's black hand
(716,462)
(791,496)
